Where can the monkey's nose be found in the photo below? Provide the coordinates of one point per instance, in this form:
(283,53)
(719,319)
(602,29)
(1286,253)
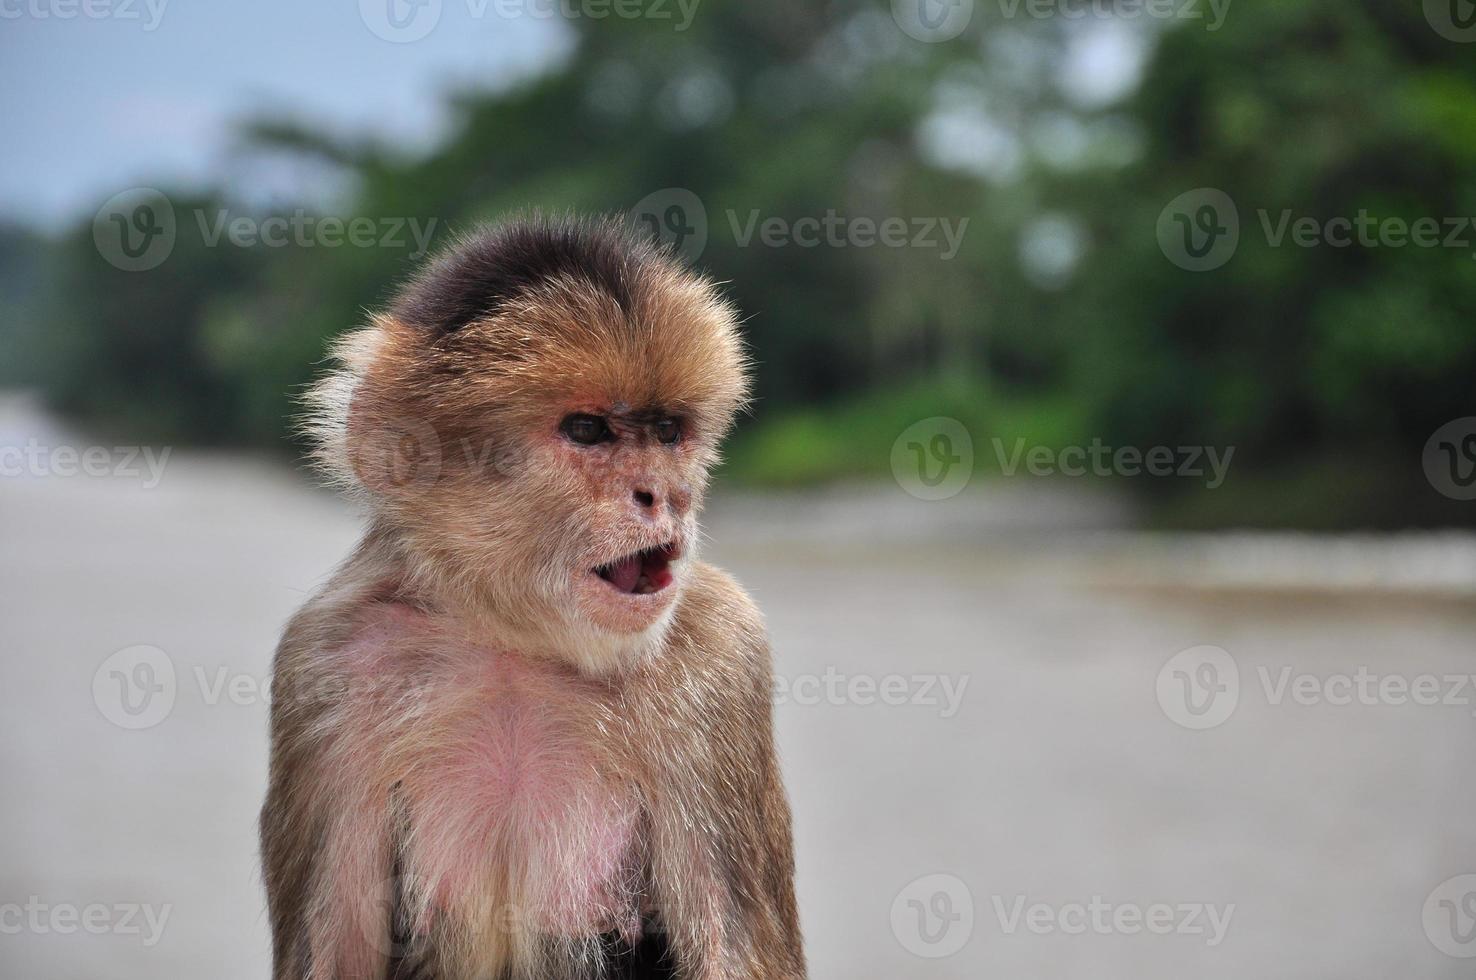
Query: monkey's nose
(644,498)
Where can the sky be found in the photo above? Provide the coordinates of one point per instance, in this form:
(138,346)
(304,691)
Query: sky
(93,105)
(99,96)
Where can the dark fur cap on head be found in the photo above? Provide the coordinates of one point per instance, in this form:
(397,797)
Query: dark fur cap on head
(480,274)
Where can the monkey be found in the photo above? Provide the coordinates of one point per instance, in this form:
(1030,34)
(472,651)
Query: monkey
(523,731)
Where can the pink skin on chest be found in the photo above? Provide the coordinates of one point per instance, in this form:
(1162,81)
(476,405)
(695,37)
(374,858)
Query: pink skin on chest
(514,799)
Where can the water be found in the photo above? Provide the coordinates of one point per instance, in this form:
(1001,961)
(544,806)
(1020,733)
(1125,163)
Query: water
(1018,634)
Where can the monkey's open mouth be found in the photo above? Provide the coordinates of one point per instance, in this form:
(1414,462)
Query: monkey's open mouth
(642,572)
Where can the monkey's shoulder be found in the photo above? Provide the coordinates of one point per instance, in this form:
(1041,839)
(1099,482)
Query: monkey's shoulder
(717,620)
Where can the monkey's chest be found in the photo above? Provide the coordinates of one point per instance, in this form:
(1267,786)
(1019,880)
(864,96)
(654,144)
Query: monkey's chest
(517,800)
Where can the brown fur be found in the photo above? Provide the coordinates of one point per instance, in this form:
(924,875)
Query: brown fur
(473,576)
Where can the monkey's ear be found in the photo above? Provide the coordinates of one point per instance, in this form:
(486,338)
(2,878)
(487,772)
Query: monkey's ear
(390,454)
(353,444)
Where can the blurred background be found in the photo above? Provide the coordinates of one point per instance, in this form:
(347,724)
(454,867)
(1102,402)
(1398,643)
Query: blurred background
(1109,488)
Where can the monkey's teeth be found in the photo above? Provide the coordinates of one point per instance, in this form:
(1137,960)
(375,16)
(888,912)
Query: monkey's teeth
(642,573)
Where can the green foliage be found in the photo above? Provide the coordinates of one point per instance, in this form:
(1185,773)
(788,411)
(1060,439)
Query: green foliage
(1322,109)
(853,438)
(1302,358)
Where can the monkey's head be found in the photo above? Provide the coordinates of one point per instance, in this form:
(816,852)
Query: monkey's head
(533,420)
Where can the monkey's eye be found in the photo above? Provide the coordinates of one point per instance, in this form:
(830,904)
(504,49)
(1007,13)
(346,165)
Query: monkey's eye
(586,429)
(668,430)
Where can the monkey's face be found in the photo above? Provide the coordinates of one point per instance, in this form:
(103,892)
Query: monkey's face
(640,473)
(564,389)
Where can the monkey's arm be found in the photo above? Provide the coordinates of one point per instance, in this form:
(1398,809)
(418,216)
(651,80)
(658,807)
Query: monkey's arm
(325,850)
(723,850)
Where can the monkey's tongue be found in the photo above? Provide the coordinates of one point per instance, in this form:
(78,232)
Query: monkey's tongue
(643,572)
(624,573)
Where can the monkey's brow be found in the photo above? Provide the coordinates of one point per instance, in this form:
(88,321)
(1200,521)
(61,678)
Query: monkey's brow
(648,415)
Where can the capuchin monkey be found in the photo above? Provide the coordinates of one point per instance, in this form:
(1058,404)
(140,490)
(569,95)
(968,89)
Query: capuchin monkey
(523,732)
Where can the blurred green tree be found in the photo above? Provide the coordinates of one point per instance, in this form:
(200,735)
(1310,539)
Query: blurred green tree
(1321,361)
(1058,317)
